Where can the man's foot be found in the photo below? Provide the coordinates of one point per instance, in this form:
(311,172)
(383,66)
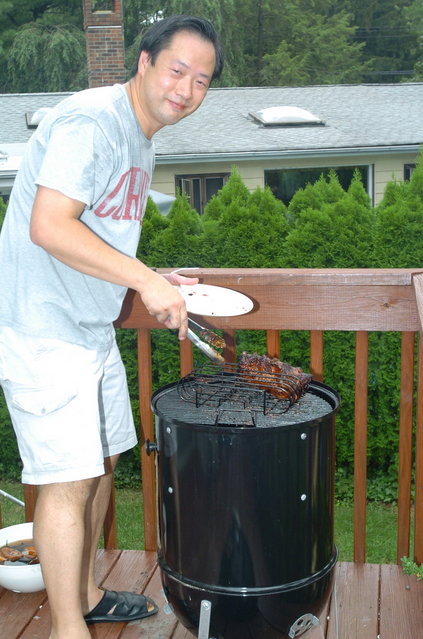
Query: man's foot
(121,606)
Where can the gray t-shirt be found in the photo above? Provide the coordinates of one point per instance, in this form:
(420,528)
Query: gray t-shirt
(91,148)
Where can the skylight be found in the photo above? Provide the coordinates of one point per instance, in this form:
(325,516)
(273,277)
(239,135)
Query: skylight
(285,116)
(34,119)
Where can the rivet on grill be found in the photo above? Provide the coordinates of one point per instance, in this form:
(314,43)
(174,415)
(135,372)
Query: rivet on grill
(303,435)
(170,490)
(168,429)
(303,497)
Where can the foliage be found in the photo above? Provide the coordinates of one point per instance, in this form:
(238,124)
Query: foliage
(58,25)
(330,227)
(127,342)
(399,223)
(47,58)
(411,568)
(178,244)
(296,42)
(382,487)
(320,49)
(414,17)
(387,29)
(152,225)
(238,233)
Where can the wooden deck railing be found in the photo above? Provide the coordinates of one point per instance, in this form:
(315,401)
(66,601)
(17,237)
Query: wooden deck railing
(311,300)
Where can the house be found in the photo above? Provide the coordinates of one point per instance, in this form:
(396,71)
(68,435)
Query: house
(377,128)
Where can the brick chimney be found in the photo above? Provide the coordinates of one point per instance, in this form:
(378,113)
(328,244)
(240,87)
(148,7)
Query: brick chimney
(103,27)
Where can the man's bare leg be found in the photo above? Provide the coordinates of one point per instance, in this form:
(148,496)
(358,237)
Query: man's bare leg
(59,534)
(94,518)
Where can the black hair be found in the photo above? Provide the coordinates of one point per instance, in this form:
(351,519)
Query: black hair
(158,37)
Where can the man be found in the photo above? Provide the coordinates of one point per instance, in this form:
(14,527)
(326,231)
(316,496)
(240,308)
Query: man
(67,257)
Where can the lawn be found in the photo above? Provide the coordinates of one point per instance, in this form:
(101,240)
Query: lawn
(381,523)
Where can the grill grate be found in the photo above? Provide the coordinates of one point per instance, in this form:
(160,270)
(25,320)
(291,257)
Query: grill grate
(237,397)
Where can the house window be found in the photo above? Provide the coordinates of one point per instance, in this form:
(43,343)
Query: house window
(285,182)
(200,188)
(408,170)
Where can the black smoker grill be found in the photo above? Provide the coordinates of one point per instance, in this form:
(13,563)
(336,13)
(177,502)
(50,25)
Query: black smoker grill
(245,496)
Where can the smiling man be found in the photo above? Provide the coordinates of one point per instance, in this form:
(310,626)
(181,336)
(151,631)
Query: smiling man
(171,85)
(67,257)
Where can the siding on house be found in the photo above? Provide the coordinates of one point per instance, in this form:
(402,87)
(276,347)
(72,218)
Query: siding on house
(390,168)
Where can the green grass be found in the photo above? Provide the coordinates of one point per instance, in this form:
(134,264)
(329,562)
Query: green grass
(381,532)
(381,523)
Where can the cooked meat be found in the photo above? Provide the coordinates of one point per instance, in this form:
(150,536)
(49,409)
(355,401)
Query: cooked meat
(278,378)
(9,553)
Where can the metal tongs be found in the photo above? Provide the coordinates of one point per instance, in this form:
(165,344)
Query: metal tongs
(209,336)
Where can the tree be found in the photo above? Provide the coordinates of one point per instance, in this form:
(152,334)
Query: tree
(234,221)
(249,230)
(152,225)
(390,40)
(330,228)
(56,20)
(399,223)
(47,58)
(294,43)
(298,42)
(178,243)
(320,50)
(414,16)
(234,189)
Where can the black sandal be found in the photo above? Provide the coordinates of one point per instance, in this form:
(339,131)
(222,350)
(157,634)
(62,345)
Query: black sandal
(121,606)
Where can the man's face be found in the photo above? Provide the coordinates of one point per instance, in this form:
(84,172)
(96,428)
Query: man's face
(176,84)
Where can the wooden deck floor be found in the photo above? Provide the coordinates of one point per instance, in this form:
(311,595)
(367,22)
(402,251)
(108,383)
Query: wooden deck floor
(371,601)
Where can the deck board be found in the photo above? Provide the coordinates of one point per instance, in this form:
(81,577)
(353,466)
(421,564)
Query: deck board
(354,605)
(402,604)
(368,602)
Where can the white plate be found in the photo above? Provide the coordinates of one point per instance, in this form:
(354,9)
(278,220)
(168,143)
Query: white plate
(204,299)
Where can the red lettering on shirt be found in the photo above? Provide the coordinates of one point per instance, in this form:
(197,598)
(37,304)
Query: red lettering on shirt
(126,201)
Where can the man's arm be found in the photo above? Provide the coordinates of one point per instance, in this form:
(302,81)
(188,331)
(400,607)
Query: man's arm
(56,227)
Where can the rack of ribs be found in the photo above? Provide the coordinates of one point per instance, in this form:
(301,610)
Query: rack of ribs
(278,378)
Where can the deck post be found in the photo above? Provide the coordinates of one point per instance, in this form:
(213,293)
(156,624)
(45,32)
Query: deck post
(418,514)
(360,446)
(148,471)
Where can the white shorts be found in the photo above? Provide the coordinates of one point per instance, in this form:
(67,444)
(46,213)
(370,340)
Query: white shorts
(69,406)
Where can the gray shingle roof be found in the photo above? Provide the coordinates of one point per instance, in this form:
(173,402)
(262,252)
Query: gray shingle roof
(356,116)
(379,116)
(13,107)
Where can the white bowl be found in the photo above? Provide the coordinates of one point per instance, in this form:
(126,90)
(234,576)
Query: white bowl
(19,578)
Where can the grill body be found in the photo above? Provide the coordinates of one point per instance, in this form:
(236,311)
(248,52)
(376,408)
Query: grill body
(245,518)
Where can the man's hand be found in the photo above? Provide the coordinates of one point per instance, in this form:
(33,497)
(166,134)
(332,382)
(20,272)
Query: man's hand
(163,300)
